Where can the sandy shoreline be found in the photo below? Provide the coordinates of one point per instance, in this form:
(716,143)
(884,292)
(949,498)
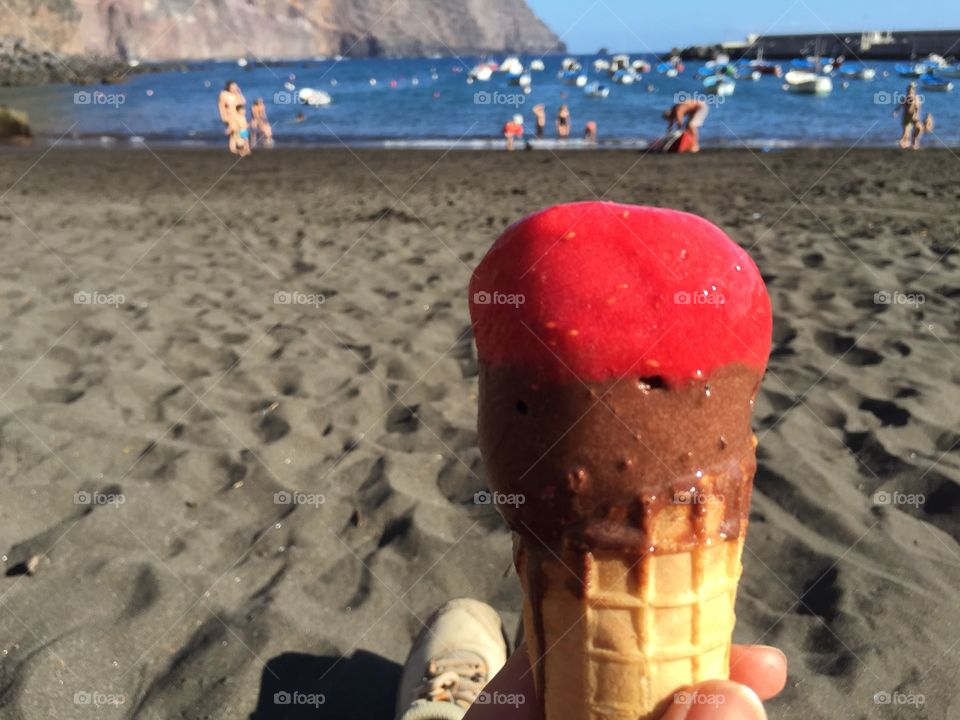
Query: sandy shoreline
(188,403)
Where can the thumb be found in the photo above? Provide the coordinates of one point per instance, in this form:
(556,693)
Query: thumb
(716,700)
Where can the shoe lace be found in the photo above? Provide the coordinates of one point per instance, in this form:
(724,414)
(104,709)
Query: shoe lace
(453,679)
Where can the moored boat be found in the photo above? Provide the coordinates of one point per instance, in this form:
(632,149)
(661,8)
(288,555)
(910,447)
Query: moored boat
(808,83)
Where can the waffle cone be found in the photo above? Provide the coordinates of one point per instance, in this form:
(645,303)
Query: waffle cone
(615,635)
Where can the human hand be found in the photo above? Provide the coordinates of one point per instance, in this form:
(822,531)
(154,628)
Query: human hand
(757,672)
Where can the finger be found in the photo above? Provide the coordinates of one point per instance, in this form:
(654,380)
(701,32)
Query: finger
(760,667)
(511,693)
(716,700)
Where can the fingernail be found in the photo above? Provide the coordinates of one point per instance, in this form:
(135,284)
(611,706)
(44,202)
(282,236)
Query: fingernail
(722,700)
(776,650)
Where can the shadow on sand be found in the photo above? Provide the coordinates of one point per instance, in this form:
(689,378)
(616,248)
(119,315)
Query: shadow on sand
(297,686)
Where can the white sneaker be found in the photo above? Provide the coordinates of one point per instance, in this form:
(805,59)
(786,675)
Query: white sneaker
(461,648)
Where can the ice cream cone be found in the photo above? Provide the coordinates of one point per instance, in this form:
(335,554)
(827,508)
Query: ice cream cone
(621,349)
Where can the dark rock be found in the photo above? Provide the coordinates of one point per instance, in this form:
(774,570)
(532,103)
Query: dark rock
(14,125)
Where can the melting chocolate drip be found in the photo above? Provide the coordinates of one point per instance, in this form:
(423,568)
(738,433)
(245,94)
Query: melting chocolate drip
(597,463)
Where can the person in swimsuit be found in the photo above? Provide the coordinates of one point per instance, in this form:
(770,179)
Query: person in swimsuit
(262,131)
(541,115)
(227,102)
(242,132)
(233,114)
(563,122)
(911,106)
(688,116)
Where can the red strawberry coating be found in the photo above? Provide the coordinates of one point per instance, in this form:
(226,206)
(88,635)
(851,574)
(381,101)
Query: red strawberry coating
(601,290)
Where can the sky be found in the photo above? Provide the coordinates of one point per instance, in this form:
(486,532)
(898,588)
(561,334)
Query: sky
(645,26)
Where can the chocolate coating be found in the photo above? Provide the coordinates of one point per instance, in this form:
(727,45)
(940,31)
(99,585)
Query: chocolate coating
(598,464)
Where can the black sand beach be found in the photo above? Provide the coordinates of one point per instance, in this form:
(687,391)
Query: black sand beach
(188,342)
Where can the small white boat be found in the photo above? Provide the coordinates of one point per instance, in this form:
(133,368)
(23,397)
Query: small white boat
(596,90)
(242,62)
(481,73)
(641,66)
(861,73)
(624,77)
(808,83)
(619,62)
(719,85)
(536,65)
(314,98)
(601,65)
(571,65)
(523,80)
(511,65)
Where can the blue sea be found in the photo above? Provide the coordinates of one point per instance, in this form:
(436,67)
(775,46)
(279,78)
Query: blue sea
(429,103)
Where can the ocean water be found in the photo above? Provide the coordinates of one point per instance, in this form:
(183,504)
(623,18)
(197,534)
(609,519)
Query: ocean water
(428,102)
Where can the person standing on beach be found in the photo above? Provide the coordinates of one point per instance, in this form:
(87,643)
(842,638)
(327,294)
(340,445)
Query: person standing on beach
(541,115)
(912,108)
(262,131)
(563,122)
(233,114)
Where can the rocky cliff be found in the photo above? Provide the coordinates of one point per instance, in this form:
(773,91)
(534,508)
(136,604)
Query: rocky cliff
(195,29)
